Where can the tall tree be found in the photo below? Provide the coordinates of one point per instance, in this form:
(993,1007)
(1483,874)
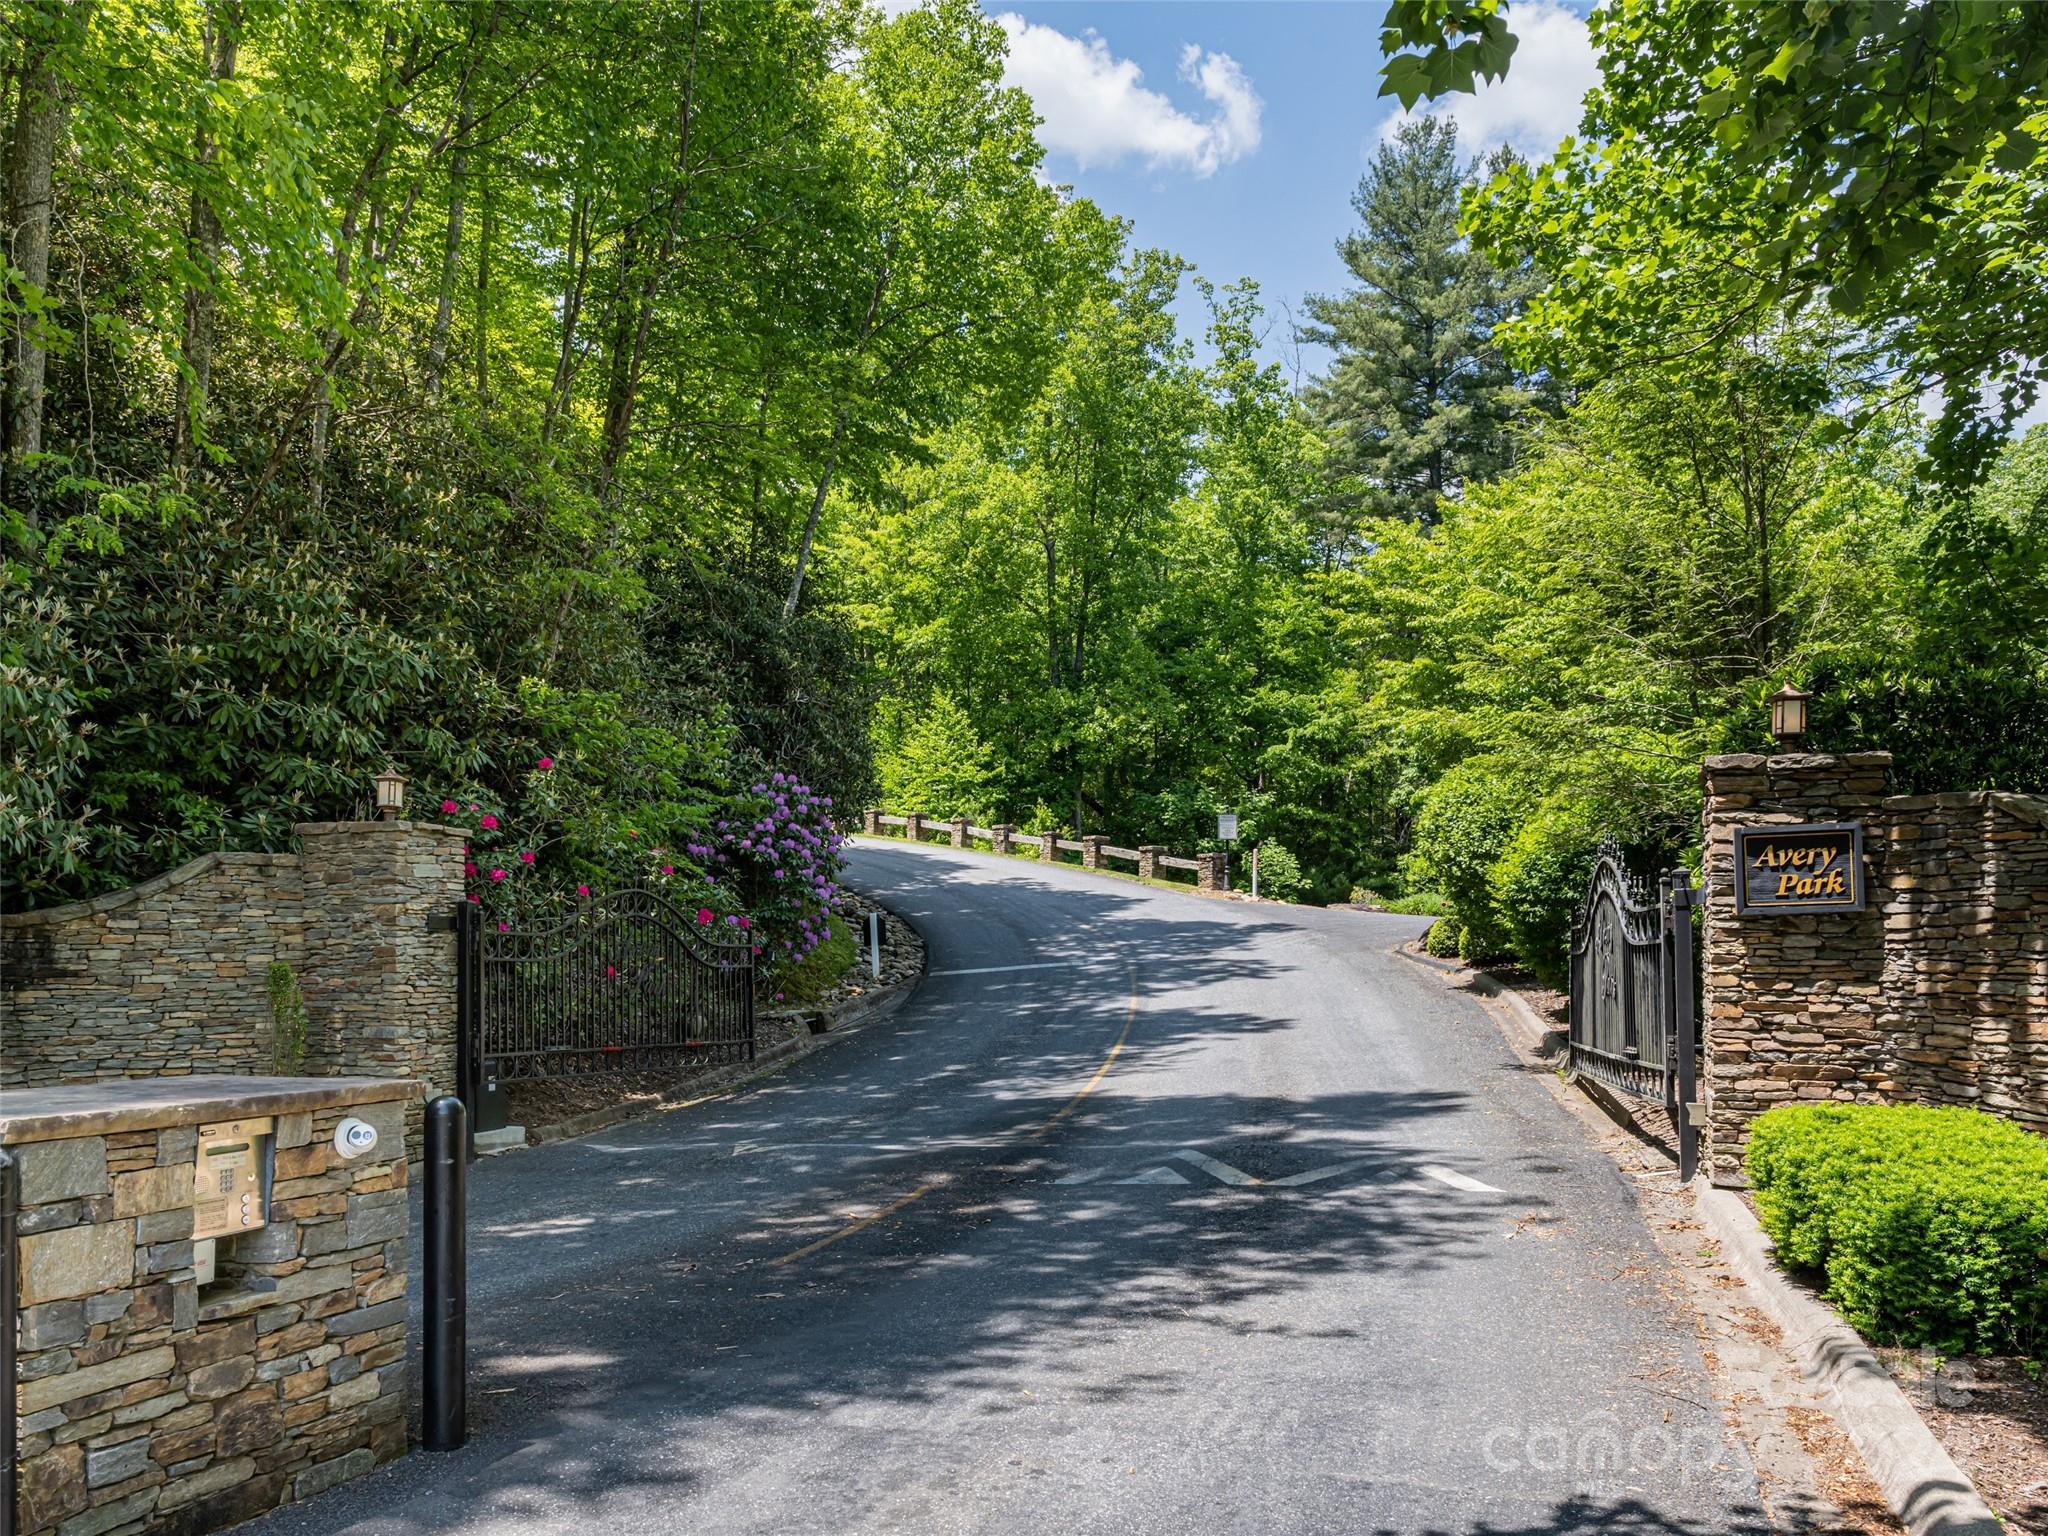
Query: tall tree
(1420,400)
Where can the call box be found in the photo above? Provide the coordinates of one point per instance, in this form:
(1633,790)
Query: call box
(228,1194)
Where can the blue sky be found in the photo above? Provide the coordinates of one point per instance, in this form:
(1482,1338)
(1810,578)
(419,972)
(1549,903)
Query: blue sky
(1233,133)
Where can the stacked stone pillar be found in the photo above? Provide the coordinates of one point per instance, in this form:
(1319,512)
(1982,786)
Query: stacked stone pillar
(913,826)
(379,975)
(1049,846)
(1003,837)
(959,826)
(871,822)
(1091,852)
(1148,860)
(1212,872)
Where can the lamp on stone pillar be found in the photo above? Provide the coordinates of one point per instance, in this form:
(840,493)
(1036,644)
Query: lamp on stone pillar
(1788,716)
(390,794)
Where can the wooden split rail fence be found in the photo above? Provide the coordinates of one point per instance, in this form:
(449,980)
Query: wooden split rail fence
(1210,870)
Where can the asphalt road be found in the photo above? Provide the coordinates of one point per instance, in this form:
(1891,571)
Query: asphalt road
(1148,1213)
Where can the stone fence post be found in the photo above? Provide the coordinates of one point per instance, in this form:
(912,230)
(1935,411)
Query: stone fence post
(378,981)
(1049,846)
(1148,860)
(1091,852)
(913,826)
(959,831)
(1003,833)
(871,822)
(1791,1000)
(1211,873)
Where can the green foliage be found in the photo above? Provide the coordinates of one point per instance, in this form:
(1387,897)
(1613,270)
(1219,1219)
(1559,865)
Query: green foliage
(1539,880)
(287,1020)
(812,977)
(1280,875)
(1420,401)
(1930,1224)
(1445,939)
(940,766)
(1467,822)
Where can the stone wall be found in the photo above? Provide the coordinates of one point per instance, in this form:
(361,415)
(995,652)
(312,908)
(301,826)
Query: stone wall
(149,1401)
(1936,993)
(170,976)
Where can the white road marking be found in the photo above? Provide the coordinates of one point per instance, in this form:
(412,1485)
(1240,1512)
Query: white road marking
(1457,1180)
(991,970)
(1219,1170)
(1085,1176)
(1155,1176)
(1327,1171)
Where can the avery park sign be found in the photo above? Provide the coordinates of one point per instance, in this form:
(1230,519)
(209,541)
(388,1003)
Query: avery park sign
(1816,867)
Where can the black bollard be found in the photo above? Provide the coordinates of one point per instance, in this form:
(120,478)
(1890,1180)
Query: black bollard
(10,1206)
(444,1385)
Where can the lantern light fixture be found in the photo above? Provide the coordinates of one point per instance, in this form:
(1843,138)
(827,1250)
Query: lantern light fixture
(390,794)
(1788,716)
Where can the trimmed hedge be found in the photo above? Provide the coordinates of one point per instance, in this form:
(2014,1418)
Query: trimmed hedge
(1931,1225)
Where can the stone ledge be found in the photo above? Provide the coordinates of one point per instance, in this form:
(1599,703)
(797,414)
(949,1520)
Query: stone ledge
(150,1103)
(366,828)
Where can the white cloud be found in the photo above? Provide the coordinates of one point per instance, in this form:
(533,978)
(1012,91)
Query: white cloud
(1096,108)
(1537,104)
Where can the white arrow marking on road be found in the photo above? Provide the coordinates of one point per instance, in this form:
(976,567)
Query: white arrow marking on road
(1219,1170)
(1457,1180)
(1085,1176)
(1328,1171)
(1155,1176)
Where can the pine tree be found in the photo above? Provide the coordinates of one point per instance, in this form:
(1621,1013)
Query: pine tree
(1419,401)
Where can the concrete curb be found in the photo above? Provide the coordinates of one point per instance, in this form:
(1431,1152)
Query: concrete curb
(1921,1481)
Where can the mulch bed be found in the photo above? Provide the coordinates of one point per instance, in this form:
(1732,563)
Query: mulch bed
(1992,1416)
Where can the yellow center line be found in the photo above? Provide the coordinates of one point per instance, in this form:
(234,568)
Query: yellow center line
(1130,1014)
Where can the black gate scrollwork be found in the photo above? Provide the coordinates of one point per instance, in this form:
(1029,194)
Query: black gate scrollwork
(1633,990)
(625,981)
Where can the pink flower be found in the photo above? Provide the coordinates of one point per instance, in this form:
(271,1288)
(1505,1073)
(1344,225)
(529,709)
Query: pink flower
(546,764)
(469,871)
(472,808)
(668,869)
(504,927)
(582,890)
(526,855)
(449,807)
(611,970)
(476,898)
(745,923)
(497,875)
(703,915)
(488,822)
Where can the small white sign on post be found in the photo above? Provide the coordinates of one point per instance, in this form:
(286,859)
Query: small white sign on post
(1226,825)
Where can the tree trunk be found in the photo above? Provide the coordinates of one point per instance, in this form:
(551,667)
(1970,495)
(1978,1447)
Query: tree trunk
(202,242)
(31,199)
(483,308)
(803,549)
(458,175)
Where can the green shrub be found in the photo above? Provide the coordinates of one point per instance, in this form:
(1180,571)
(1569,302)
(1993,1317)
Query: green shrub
(1445,939)
(1931,1225)
(1280,875)
(1538,883)
(1468,818)
(287,1021)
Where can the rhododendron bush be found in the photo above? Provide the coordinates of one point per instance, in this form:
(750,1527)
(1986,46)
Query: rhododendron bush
(774,854)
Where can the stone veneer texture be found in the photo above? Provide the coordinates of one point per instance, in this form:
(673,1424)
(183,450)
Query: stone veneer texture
(149,1405)
(169,977)
(1937,993)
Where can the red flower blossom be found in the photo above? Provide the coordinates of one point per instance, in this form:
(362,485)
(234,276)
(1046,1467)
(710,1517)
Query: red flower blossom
(546,764)
(488,822)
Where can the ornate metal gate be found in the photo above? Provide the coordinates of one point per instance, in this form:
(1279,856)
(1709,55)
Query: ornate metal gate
(1633,1025)
(620,982)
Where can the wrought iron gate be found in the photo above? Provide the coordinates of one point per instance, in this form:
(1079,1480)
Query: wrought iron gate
(1633,992)
(620,982)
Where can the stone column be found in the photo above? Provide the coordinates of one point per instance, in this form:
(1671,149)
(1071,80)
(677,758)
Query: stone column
(913,827)
(1791,1001)
(1148,860)
(871,822)
(379,983)
(1091,852)
(1049,847)
(1003,833)
(1211,873)
(959,825)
